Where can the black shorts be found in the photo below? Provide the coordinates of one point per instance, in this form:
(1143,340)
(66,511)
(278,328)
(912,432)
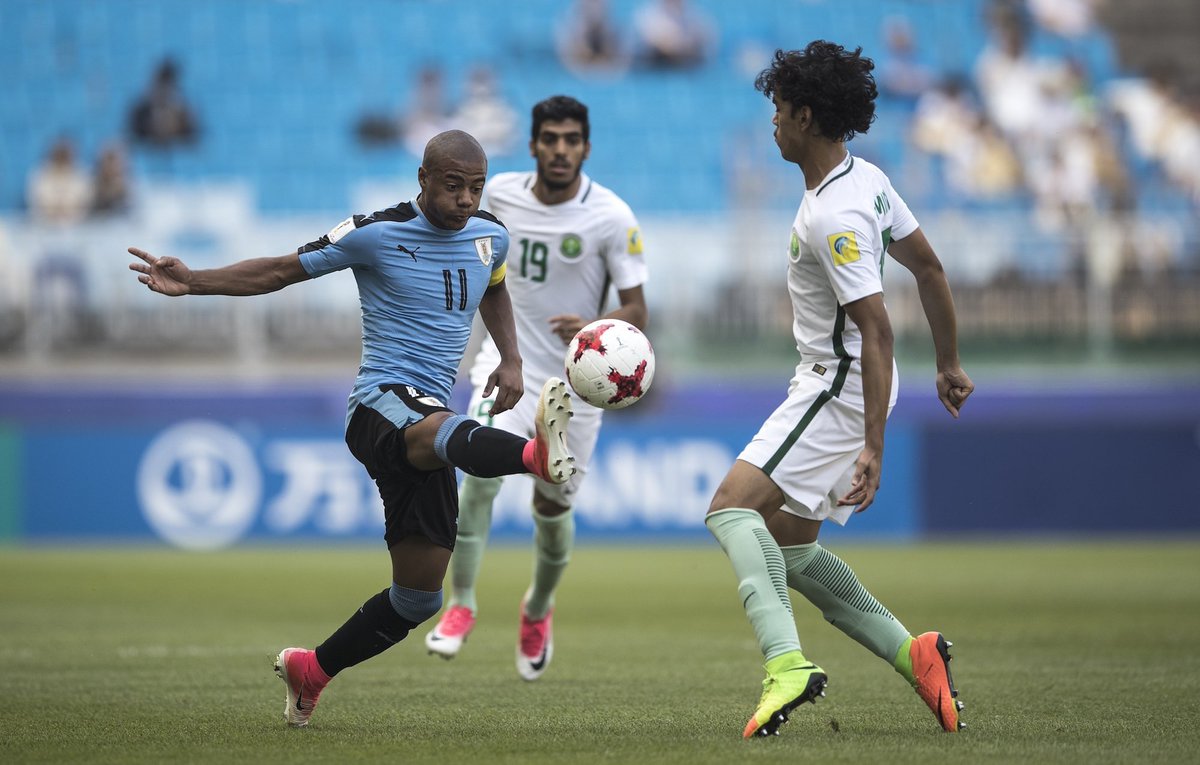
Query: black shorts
(415,502)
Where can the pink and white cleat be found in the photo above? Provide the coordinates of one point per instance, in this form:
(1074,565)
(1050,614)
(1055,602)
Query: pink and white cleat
(535,645)
(304,678)
(547,456)
(447,638)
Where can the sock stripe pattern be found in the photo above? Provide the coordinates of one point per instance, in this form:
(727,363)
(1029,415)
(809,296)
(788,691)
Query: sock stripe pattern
(832,572)
(445,430)
(776,566)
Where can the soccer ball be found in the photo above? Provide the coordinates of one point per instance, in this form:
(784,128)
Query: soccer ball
(610,364)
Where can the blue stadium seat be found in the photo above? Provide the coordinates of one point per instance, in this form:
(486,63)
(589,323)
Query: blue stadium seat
(274,83)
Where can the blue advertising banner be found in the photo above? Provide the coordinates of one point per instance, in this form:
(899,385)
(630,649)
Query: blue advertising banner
(209,468)
(204,470)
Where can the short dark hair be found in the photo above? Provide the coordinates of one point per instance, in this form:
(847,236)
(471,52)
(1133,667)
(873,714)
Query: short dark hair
(557,109)
(835,83)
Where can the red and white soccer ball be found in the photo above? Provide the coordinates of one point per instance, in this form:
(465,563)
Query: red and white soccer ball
(610,364)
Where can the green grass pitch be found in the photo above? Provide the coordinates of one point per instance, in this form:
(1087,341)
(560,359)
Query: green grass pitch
(1064,652)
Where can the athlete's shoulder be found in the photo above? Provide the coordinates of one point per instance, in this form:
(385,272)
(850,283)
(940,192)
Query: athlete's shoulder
(869,173)
(853,189)
(484,217)
(400,213)
(601,200)
(509,182)
(351,225)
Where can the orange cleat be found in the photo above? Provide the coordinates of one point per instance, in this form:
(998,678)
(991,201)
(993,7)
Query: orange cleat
(931,678)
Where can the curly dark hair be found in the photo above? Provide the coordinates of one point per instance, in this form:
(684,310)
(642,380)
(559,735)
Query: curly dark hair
(557,109)
(835,83)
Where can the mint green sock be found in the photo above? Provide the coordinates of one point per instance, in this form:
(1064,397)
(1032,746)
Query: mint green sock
(475,499)
(553,540)
(831,585)
(762,577)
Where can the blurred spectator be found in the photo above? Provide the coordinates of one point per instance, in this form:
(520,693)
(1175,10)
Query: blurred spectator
(589,41)
(1065,18)
(428,114)
(1163,123)
(672,34)
(110,182)
(1146,105)
(59,191)
(901,75)
(1181,145)
(945,117)
(988,166)
(162,117)
(486,115)
(1012,82)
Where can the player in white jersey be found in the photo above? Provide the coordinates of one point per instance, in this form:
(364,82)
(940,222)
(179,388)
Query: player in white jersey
(571,239)
(818,456)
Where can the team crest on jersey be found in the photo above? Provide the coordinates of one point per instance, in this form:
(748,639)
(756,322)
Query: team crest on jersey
(635,241)
(844,248)
(483,248)
(571,247)
(341,230)
(794,247)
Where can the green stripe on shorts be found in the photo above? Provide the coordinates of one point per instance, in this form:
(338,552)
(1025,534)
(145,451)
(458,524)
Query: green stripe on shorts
(835,389)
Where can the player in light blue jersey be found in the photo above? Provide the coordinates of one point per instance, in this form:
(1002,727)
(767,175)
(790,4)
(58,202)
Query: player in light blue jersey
(423,269)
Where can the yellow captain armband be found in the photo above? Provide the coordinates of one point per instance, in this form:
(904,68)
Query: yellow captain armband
(498,275)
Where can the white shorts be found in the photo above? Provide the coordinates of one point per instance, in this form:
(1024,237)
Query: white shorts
(581,434)
(810,442)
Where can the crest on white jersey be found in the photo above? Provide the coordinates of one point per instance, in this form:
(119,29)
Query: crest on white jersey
(341,229)
(483,247)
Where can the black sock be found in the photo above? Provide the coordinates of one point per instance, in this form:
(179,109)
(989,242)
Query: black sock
(372,629)
(486,452)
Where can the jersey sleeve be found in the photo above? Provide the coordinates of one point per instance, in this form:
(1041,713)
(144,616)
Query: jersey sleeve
(348,244)
(903,221)
(846,250)
(623,251)
(499,257)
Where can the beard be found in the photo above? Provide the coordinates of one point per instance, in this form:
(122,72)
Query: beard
(554,185)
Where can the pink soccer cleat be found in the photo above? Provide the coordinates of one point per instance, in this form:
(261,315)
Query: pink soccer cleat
(447,638)
(547,456)
(535,645)
(304,678)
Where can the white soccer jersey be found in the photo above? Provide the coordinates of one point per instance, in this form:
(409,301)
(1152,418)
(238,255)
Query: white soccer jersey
(562,259)
(838,243)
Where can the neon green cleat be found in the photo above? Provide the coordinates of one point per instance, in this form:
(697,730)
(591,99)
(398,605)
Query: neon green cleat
(791,681)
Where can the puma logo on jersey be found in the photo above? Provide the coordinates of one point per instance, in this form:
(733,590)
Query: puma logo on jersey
(412,253)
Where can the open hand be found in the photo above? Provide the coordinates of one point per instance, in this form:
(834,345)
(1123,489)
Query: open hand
(169,276)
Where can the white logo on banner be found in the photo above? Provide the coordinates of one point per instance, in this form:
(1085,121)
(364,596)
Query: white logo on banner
(199,485)
(323,485)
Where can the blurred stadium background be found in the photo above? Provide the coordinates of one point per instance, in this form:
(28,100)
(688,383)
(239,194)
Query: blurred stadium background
(1059,183)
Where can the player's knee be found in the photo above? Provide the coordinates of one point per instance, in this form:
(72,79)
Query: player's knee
(548,508)
(415,606)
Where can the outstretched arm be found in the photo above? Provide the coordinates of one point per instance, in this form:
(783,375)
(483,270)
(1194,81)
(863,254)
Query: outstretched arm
(256,276)
(496,311)
(915,253)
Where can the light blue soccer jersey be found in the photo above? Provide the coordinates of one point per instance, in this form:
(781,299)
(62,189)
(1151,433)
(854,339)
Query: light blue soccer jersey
(419,287)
